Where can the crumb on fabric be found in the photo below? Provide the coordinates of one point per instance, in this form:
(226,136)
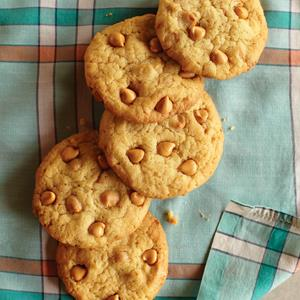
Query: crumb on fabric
(231,128)
(203,215)
(109,14)
(171,218)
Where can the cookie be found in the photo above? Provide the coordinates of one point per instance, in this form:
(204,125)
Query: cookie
(79,200)
(169,158)
(132,268)
(125,66)
(213,38)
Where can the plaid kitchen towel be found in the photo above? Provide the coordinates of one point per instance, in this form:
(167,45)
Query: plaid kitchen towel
(43,99)
(254,250)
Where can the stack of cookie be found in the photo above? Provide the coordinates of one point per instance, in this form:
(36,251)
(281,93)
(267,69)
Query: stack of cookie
(160,137)
(161,133)
(110,246)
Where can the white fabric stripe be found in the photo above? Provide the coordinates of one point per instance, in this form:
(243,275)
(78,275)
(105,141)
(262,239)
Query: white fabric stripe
(86,4)
(295,6)
(47,35)
(18,4)
(45,108)
(258,214)
(84,34)
(48,3)
(51,285)
(296,120)
(238,209)
(277,5)
(295,39)
(287,263)
(264,215)
(278,38)
(239,248)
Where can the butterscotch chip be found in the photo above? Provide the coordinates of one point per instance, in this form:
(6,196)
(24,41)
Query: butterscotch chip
(150,256)
(69,153)
(241,12)
(135,155)
(67,200)
(113,297)
(48,198)
(187,75)
(219,57)
(155,45)
(110,198)
(201,115)
(189,18)
(178,121)
(202,26)
(189,167)
(116,39)
(97,229)
(78,273)
(196,33)
(73,205)
(127,96)
(181,152)
(164,106)
(102,162)
(165,148)
(75,164)
(134,267)
(137,199)
(131,80)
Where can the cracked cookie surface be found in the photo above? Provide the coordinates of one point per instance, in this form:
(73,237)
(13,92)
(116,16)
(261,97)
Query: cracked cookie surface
(166,159)
(79,200)
(126,68)
(212,38)
(132,268)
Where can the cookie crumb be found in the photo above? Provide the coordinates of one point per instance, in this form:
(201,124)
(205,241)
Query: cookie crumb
(109,14)
(224,120)
(231,128)
(171,218)
(203,215)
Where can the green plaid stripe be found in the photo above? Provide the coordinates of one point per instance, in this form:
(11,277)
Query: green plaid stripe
(68,17)
(107,16)
(274,248)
